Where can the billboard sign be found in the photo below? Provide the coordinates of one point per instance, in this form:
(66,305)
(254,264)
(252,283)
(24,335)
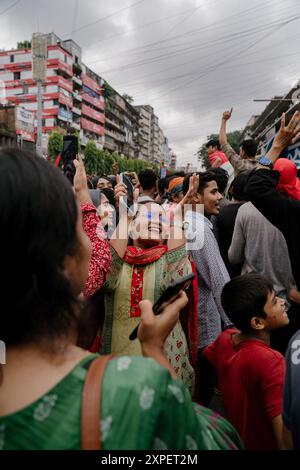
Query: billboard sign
(24,119)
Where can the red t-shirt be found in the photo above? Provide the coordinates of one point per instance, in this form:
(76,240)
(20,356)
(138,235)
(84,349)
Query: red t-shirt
(251,378)
(217,154)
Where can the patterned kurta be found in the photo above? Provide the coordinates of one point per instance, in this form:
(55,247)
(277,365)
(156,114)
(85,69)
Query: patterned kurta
(142,408)
(101,258)
(120,320)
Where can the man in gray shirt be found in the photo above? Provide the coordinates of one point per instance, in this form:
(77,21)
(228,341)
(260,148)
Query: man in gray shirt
(211,271)
(254,242)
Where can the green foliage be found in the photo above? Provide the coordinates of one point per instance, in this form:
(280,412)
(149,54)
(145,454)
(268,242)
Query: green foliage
(99,162)
(77,69)
(55,144)
(24,45)
(107,91)
(128,98)
(234,138)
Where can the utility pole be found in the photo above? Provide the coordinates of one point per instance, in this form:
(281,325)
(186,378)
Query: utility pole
(39,63)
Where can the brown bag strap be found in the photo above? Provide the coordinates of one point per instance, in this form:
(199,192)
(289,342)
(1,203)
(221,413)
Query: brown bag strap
(91,399)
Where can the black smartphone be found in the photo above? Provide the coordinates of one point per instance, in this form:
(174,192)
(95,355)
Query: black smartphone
(68,154)
(171,292)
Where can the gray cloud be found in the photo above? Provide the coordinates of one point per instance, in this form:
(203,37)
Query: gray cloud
(189,59)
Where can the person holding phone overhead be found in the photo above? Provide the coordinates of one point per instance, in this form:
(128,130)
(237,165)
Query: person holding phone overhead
(145,261)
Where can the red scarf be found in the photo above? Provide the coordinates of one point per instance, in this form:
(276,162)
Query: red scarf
(288,183)
(139,258)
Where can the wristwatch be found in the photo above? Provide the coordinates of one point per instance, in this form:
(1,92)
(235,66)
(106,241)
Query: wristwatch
(265,161)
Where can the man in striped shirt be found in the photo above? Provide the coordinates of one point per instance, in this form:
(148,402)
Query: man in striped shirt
(246,159)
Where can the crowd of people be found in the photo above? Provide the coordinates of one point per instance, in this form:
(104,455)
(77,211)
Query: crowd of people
(83,266)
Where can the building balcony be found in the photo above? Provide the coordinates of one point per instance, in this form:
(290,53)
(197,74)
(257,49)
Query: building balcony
(93,114)
(114,124)
(77,97)
(77,80)
(117,137)
(76,126)
(60,66)
(76,111)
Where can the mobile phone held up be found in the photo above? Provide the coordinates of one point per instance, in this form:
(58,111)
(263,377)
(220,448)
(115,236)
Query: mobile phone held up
(126,181)
(68,154)
(170,293)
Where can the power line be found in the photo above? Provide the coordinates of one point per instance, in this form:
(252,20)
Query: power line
(210,43)
(103,18)
(74,18)
(214,67)
(10,7)
(139,27)
(205,28)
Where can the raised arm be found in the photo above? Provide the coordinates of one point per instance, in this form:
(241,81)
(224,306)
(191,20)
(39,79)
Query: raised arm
(119,239)
(101,258)
(223,136)
(177,237)
(287,134)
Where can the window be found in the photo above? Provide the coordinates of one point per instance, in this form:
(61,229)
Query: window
(25,89)
(12,58)
(17,75)
(65,59)
(55,102)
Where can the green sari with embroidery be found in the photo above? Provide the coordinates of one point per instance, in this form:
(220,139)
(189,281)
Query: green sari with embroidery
(131,281)
(142,408)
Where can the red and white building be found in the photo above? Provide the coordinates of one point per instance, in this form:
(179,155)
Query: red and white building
(72,93)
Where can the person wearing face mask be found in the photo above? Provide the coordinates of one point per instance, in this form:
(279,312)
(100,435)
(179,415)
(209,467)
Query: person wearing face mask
(146,259)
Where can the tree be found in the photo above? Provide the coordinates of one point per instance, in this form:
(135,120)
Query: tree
(55,145)
(108,91)
(24,45)
(234,138)
(90,158)
(128,98)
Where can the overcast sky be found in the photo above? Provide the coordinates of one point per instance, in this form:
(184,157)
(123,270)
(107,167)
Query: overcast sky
(189,59)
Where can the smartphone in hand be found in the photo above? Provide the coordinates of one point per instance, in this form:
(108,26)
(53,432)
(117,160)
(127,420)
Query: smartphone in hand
(170,293)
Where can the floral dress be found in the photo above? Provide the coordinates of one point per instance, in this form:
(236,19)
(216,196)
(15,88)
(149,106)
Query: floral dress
(142,408)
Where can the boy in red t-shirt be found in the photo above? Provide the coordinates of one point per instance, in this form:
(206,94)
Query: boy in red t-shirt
(250,373)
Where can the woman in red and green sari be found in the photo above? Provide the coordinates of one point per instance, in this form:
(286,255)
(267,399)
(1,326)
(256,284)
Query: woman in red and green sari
(143,268)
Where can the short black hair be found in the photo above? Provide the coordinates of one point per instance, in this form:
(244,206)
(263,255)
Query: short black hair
(244,297)
(162,185)
(238,185)
(221,178)
(38,217)
(204,178)
(147,179)
(214,143)
(250,147)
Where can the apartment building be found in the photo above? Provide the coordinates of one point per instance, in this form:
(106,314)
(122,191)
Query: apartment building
(121,126)
(151,135)
(72,93)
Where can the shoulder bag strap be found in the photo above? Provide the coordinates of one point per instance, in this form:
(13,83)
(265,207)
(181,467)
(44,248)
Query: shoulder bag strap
(90,412)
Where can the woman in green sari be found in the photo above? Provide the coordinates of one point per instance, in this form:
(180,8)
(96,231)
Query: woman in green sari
(46,261)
